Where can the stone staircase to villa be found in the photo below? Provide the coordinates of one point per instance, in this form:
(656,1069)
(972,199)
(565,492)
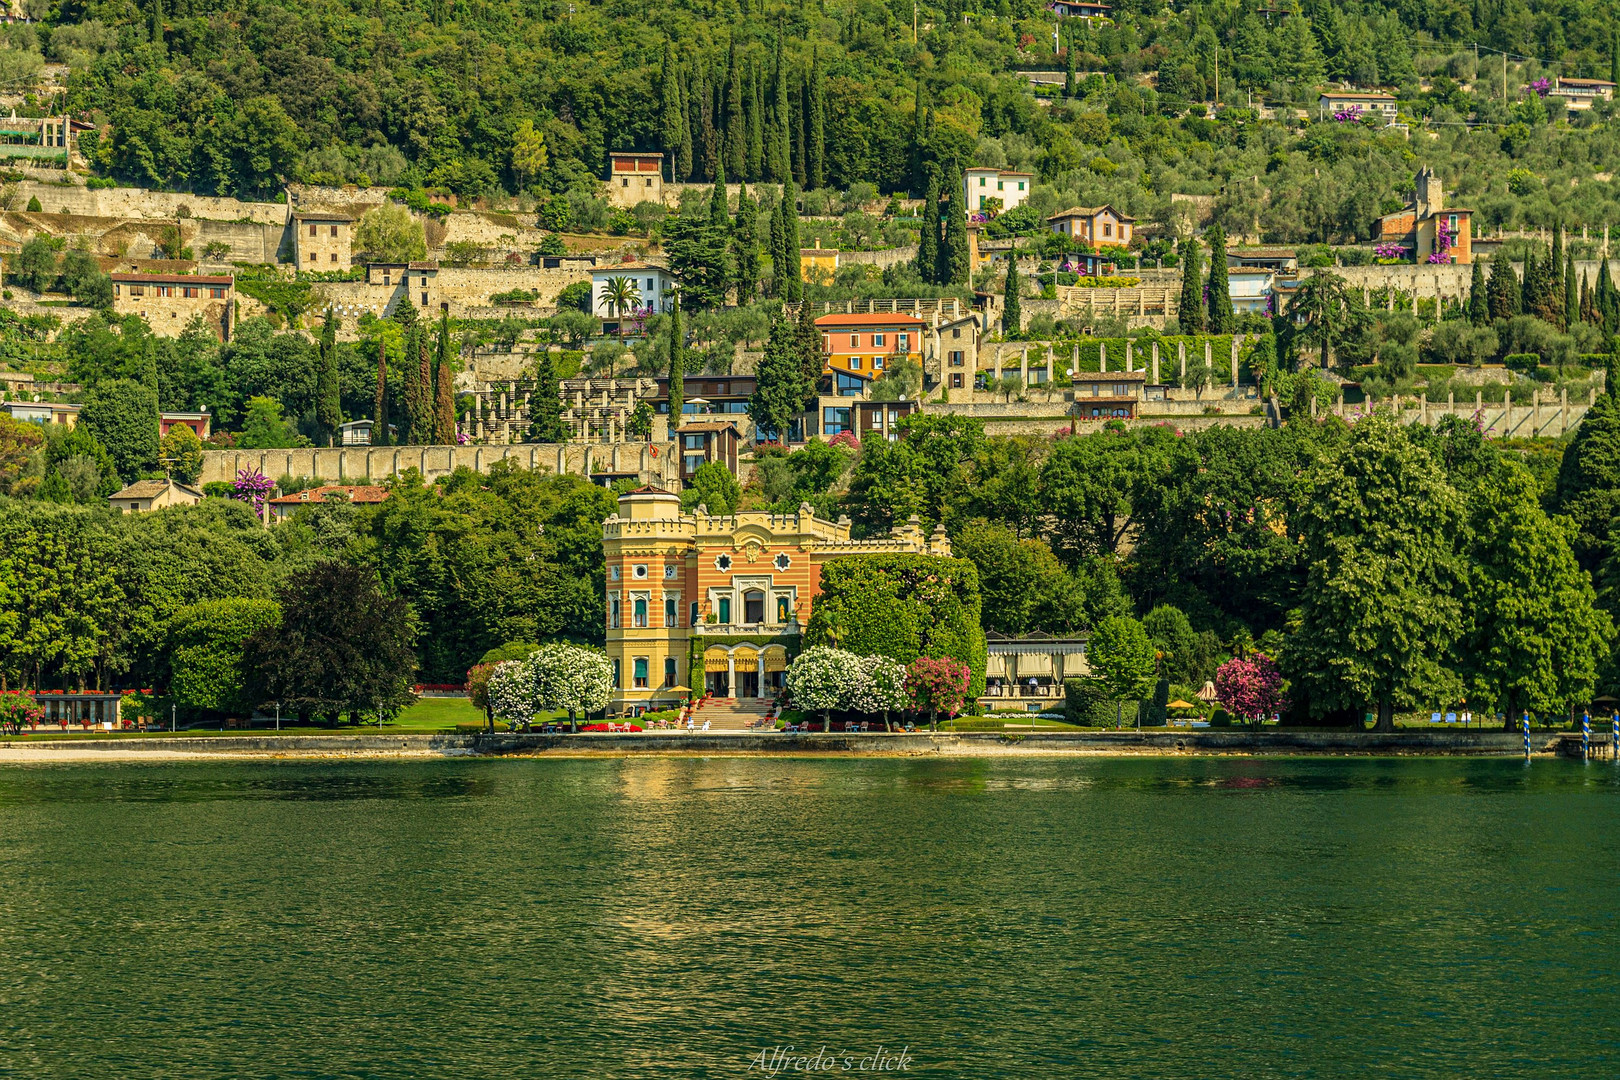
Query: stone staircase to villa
(731,714)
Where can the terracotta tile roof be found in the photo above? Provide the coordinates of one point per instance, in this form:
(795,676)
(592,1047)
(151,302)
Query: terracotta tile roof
(151,489)
(1088,212)
(828,321)
(358,493)
(176,279)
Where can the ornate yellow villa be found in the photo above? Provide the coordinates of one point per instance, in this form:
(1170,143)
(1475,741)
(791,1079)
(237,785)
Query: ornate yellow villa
(721,598)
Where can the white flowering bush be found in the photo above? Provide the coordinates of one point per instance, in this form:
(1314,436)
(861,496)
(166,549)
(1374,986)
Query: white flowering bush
(821,679)
(571,678)
(882,688)
(512,693)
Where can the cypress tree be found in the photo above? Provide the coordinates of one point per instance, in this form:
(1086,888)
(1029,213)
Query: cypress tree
(379,404)
(745,237)
(778,284)
(1530,286)
(1221,318)
(1191,307)
(1588,312)
(149,366)
(793,276)
(328,399)
(1068,71)
(1504,288)
(1572,294)
(718,217)
(671,121)
(815,166)
(776,142)
(756,123)
(425,425)
(677,366)
(1614,58)
(736,120)
(928,238)
(954,251)
(798,103)
(708,135)
(444,384)
(157,23)
(919,141)
(412,393)
(1557,265)
(1479,304)
(688,150)
(545,404)
(1607,299)
(811,357)
(1012,314)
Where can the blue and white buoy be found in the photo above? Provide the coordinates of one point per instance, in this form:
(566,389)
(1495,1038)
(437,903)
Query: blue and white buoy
(1586,736)
(1526,725)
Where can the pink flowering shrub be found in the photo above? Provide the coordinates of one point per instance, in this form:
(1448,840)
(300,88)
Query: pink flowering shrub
(1250,687)
(938,684)
(846,438)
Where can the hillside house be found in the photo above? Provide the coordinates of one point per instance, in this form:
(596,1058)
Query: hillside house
(635,178)
(859,348)
(1583,93)
(654,289)
(993,191)
(1099,226)
(1430,230)
(1332,103)
(168,302)
(323,241)
(200,423)
(145,496)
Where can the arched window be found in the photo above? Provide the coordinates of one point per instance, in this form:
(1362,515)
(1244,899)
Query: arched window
(641,611)
(753,607)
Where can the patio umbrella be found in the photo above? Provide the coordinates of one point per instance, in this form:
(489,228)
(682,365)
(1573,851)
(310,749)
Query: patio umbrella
(673,691)
(1179,704)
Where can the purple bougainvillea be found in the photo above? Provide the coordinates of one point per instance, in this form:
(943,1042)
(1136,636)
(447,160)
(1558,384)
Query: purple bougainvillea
(253,487)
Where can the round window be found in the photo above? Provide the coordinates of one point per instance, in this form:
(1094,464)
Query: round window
(723,562)
(782,562)
(669,572)
(639,571)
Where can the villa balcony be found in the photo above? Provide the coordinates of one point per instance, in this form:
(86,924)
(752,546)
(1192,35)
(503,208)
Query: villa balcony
(710,630)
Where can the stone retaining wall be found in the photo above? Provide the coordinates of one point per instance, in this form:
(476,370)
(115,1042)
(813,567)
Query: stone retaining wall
(655,464)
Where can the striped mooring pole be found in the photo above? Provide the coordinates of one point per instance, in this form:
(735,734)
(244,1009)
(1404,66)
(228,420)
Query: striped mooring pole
(1525,724)
(1614,738)
(1586,736)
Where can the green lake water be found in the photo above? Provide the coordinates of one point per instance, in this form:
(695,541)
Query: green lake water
(643,918)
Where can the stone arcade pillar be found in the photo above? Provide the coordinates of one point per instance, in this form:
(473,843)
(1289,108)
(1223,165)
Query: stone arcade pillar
(1181,351)
(1155,363)
(1102,356)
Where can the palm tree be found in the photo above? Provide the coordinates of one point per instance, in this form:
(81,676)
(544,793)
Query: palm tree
(620,294)
(1324,306)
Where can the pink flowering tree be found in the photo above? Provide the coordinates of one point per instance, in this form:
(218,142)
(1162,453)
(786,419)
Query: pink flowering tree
(1250,687)
(18,710)
(252,487)
(938,685)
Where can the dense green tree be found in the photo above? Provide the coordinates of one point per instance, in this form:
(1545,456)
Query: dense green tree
(928,239)
(1190,308)
(1122,660)
(1012,312)
(264,428)
(380,435)
(1324,311)
(902,607)
(697,250)
(712,486)
(1220,319)
(1535,638)
(341,645)
(925,472)
(745,242)
(545,403)
(444,387)
(1479,308)
(122,415)
(1379,613)
(1092,487)
(1588,486)
(780,388)
(1504,289)
(676,391)
(204,643)
(953,252)
(1025,589)
(328,400)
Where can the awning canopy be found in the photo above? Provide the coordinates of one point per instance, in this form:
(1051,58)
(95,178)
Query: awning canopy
(995,665)
(1033,664)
